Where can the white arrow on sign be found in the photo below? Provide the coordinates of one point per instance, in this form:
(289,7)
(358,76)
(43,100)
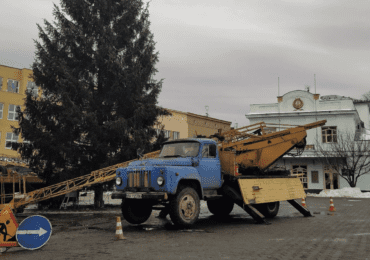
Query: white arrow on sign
(39,232)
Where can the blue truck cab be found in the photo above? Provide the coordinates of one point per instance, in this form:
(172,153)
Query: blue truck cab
(194,159)
(185,171)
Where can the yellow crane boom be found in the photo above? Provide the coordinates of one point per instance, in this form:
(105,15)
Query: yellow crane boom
(62,188)
(252,149)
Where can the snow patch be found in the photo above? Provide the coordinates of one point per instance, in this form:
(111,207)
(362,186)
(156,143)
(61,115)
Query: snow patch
(342,193)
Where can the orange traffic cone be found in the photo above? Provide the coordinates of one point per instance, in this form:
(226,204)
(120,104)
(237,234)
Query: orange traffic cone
(236,170)
(304,203)
(332,208)
(119,233)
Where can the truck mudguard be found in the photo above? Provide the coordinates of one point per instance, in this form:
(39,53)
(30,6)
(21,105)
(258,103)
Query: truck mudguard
(175,174)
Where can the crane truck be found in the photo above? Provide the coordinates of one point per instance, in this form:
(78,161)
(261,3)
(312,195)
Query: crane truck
(224,169)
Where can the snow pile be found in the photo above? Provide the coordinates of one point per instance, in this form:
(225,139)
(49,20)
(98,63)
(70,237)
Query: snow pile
(343,193)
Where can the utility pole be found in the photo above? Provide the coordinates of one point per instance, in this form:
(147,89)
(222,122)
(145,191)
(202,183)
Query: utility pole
(279,101)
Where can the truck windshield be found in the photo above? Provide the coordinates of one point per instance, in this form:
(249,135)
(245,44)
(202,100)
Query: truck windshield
(184,149)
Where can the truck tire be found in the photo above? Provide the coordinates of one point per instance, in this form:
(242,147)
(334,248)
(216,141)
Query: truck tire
(220,207)
(185,207)
(136,211)
(269,210)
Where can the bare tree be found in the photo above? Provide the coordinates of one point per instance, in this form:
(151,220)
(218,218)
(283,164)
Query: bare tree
(349,153)
(366,96)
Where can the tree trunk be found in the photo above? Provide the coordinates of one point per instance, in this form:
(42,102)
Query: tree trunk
(98,197)
(352,184)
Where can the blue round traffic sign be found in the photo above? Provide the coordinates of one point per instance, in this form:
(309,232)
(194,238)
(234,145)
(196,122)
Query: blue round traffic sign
(34,232)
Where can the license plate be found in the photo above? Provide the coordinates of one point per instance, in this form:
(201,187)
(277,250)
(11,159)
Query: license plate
(134,196)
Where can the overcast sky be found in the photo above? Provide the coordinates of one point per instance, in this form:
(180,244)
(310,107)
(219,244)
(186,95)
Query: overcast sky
(229,54)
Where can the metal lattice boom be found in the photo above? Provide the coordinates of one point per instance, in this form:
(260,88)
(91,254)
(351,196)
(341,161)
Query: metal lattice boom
(62,188)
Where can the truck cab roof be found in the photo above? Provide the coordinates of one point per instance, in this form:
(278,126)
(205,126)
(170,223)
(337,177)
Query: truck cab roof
(200,140)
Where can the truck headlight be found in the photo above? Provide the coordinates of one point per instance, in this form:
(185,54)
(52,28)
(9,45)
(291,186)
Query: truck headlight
(160,180)
(119,181)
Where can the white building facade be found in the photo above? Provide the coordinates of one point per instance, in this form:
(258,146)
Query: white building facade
(343,115)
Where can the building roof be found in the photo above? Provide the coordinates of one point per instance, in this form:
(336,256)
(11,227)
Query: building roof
(200,116)
(337,97)
(357,101)
(334,97)
(15,67)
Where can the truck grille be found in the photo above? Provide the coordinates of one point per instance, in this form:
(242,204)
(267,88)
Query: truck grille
(138,179)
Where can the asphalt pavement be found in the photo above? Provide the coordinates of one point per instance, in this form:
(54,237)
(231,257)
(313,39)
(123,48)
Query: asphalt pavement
(79,234)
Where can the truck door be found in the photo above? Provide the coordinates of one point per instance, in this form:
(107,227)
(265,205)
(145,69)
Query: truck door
(209,167)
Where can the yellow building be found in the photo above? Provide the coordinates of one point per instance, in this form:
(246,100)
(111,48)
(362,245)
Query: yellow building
(13,85)
(185,124)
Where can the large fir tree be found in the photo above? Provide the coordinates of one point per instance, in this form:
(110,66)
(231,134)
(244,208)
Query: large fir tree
(95,66)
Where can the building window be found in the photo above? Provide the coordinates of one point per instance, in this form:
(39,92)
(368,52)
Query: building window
(329,134)
(1,83)
(301,172)
(13,86)
(167,133)
(12,113)
(10,138)
(31,86)
(176,135)
(315,177)
(1,110)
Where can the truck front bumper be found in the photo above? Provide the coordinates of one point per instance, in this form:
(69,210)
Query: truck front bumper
(139,195)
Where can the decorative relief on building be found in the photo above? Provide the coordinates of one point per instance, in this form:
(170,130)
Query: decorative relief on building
(298,104)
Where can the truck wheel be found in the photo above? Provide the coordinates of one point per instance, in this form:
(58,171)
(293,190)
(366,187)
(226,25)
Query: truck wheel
(136,211)
(269,210)
(220,207)
(185,207)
